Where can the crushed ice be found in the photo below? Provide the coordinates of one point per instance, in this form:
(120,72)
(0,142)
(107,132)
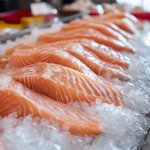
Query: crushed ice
(124,127)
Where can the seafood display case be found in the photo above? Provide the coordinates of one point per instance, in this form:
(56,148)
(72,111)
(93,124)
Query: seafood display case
(72,16)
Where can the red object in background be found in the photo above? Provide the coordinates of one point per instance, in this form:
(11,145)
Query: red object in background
(93,13)
(14,17)
(48,17)
(142,16)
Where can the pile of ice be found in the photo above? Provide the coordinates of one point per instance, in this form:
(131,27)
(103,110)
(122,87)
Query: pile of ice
(123,127)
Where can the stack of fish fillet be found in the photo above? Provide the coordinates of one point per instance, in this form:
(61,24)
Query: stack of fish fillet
(67,66)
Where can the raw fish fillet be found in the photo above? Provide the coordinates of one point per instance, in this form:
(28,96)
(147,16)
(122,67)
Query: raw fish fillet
(95,63)
(104,22)
(8,52)
(55,54)
(89,34)
(4,59)
(125,24)
(2,145)
(15,97)
(122,15)
(117,29)
(103,52)
(99,27)
(110,16)
(65,85)
(29,54)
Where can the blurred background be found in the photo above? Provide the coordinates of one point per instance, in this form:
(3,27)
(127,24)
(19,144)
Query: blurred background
(9,5)
(16,15)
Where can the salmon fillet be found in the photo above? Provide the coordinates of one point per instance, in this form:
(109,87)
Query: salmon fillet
(29,54)
(104,22)
(103,52)
(15,97)
(54,54)
(95,63)
(8,52)
(89,34)
(4,59)
(122,15)
(117,29)
(125,24)
(109,16)
(99,27)
(65,85)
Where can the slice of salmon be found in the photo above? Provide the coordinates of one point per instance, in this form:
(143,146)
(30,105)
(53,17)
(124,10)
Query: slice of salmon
(110,16)
(15,97)
(117,29)
(99,27)
(29,54)
(103,52)
(125,24)
(8,52)
(122,15)
(104,22)
(65,85)
(2,147)
(95,63)
(4,59)
(89,34)
(54,54)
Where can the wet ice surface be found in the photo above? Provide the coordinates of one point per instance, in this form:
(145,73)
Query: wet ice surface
(123,127)
(35,134)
